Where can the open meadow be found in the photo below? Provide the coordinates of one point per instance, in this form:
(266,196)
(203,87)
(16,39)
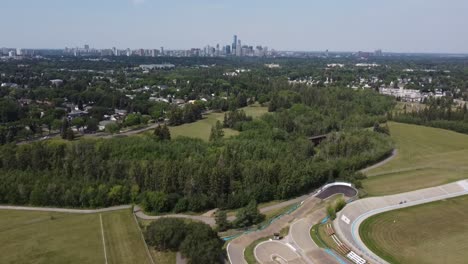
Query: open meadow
(429,233)
(426,157)
(44,237)
(202,128)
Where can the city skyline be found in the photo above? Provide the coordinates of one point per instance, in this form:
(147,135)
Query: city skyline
(429,26)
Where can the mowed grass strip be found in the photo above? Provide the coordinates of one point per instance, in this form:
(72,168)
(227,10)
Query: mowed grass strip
(426,157)
(123,240)
(42,237)
(202,128)
(430,233)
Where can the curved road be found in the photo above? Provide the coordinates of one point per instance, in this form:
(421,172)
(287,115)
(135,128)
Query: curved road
(298,242)
(210,220)
(347,223)
(388,159)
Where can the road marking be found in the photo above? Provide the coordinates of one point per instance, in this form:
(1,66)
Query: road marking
(442,189)
(103,239)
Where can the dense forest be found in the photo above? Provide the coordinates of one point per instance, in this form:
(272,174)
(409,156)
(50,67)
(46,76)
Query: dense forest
(272,158)
(440,113)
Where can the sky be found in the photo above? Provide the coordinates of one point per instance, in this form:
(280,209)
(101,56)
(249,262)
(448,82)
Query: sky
(301,25)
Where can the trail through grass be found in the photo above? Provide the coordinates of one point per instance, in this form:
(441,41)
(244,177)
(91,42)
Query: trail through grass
(426,157)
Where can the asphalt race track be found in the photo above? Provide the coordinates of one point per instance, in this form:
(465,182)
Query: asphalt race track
(337,189)
(298,246)
(347,223)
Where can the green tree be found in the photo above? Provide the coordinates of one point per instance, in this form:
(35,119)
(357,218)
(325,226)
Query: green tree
(70,135)
(64,128)
(132,120)
(134,192)
(79,122)
(166,233)
(331,212)
(216,131)
(222,223)
(340,204)
(116,194)
(92,125)
(162,133)
(155,202)
(202,244)
(112,128)
(249,215)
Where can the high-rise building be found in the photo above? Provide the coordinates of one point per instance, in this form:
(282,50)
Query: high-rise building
(129,53)
(162,51)
(19,52)
(239,48)
(86,47)
(114,51)
(234,45)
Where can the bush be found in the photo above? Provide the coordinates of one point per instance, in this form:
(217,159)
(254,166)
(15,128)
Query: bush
(166,234)
(196,241)
(340,204)
(331,212)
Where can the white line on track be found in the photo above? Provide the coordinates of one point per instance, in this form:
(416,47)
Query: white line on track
(103,238)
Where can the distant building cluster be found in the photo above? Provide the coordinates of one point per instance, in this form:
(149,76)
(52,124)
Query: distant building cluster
(234,49)
(411,95)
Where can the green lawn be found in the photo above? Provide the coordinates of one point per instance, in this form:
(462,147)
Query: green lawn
(202,128)
(430,233)
(426,157)
(160,257)
(42,237)
(249,254)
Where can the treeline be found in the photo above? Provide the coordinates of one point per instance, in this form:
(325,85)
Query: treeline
(439,113)
(271,159)
(179,175)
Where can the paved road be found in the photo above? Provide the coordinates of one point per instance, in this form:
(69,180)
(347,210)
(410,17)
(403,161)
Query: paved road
(350,218)
(272,252)
(312,209)
(299,233)
(235,248)
(140,214)
(298,242)
(206,219)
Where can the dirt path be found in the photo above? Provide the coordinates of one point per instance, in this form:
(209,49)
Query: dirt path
(381,163)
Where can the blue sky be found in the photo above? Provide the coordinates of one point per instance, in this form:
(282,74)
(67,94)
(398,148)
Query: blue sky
(337,25)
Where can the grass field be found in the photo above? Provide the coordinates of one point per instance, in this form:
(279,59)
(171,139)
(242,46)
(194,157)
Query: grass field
(430,233)
(43,237)
(202,128)
(426,157)
(410,107)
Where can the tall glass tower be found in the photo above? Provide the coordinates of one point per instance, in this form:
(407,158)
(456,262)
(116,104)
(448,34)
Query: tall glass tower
(234,44)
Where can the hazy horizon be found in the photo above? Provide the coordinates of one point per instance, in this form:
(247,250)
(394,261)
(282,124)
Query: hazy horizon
(430,26)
